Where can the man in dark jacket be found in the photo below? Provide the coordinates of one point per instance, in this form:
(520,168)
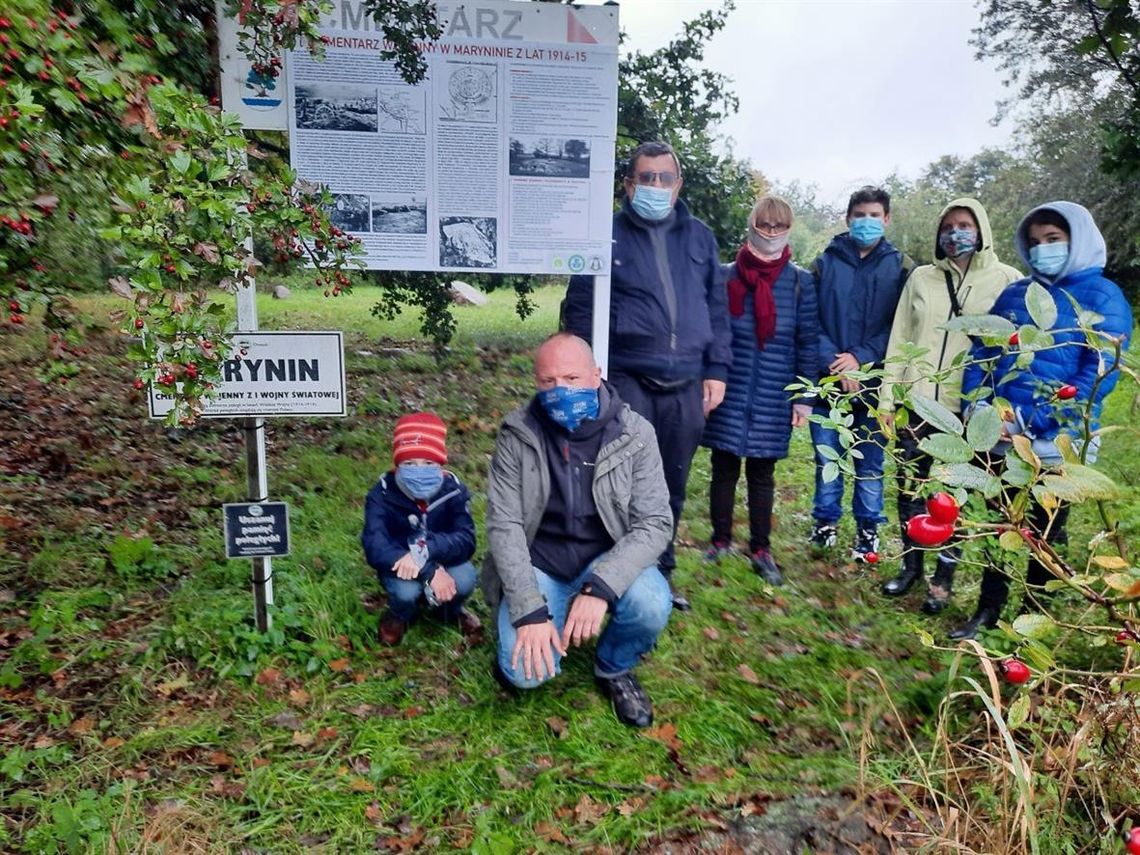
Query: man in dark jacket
(577,513)
(670,345)
(859,278)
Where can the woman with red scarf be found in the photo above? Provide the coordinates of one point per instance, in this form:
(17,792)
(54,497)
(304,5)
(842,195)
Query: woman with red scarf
(775,339)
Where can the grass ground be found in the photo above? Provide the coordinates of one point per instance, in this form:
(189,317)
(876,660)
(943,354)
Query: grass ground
(140,711)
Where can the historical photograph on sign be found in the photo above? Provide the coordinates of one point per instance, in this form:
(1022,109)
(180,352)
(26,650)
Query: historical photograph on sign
(395,217)
(550,157)
(335,107)
(471,93)
(349,211)
(467,241)
(403,109)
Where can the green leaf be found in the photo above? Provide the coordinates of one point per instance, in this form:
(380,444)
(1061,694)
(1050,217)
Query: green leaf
(1037,655)
(936,415)
(965,475)
(947,448)
(984,429)
(1077,483)
(181,161)
(1041,305)
(1018,711)
(1033,625)
(1017,472)
(830,472)
(828,452)
(1011,541)
(980,325)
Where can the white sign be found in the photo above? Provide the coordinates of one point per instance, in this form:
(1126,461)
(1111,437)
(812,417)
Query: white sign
(259,102)
(275,374)
(500,161)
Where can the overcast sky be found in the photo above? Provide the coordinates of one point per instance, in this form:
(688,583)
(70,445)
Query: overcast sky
(842,92)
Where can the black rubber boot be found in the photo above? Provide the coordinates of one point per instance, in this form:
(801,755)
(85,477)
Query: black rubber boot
(941,584)
(985,617)
(909,573)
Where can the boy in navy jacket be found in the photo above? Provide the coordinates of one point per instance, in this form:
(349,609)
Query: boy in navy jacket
(418,531)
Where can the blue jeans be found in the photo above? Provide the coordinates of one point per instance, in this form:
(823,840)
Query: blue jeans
(867,491)
(635,621)
(406,596)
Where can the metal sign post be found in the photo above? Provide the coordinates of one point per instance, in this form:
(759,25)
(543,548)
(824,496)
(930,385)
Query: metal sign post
(257,479)
(601,332)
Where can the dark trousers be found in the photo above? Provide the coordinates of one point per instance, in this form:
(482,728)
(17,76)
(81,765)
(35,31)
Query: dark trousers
(760,477)
(678,418)
(912,471)
(995,582)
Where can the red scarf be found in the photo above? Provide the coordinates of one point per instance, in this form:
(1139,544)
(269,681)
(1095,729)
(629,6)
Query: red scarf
(756,275)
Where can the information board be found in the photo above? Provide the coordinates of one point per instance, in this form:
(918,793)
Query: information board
(501,160)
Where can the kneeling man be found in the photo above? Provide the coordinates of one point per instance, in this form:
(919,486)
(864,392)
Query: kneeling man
(577,514)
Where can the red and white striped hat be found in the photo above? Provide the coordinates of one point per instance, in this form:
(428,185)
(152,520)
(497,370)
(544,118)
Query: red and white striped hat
(420,435)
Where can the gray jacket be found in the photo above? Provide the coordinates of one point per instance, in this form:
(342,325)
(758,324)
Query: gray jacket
(629,491)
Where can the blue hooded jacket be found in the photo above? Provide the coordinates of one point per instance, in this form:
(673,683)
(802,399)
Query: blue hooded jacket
(392,519)
(1030,391)
(755,418)
(857,299)
(671,328)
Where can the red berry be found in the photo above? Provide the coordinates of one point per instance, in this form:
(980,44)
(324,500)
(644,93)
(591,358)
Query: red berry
(1067,392)
(139,323)
(871,557)
(1015,671)
(1126,636)
(191,370)
(138,384)
(926,532)
(13,306)
(1013,340)
(16,319)
(1132,841)
(942,508)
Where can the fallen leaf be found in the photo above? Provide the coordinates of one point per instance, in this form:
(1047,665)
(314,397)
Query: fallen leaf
(81,726)
(260,762)
(748,674)
(631,806)
(287,720)
(373,814)
(338,665)
(656,782)
(361,785)
(268,677)
(589,811)
(298,697)
(666,733)
(363,711)
(550,832)
(711,634)
(227,789)
(112,742)
(558,726)
(413,711)
(219,758)
(506,780)
(302,739)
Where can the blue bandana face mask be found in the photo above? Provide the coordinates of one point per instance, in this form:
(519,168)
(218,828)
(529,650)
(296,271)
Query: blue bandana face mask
(958,242)
(1049,258)
(569,406)
(866,230)
(421,481)
(652,203)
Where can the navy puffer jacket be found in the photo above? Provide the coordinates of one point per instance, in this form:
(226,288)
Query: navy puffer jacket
(1030,392)
(755,418)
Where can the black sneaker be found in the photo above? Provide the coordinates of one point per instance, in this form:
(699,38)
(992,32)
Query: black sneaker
(765,566)
(631,705)
(824,536)
(717,550)
(866,542)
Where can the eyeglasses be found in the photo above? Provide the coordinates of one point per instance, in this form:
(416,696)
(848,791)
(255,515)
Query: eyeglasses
(665,179)
(771,227)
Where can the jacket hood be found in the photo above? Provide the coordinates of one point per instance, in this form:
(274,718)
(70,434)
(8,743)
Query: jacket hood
(1086,244)
(984,255)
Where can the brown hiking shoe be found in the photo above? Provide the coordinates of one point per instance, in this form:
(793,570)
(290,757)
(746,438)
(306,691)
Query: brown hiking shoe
(392,629)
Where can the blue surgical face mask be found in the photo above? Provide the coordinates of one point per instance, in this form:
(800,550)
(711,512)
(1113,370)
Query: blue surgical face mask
(1049,258)
(866,230)
(652,203)
(421,481)
(569,406)
(958,241)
